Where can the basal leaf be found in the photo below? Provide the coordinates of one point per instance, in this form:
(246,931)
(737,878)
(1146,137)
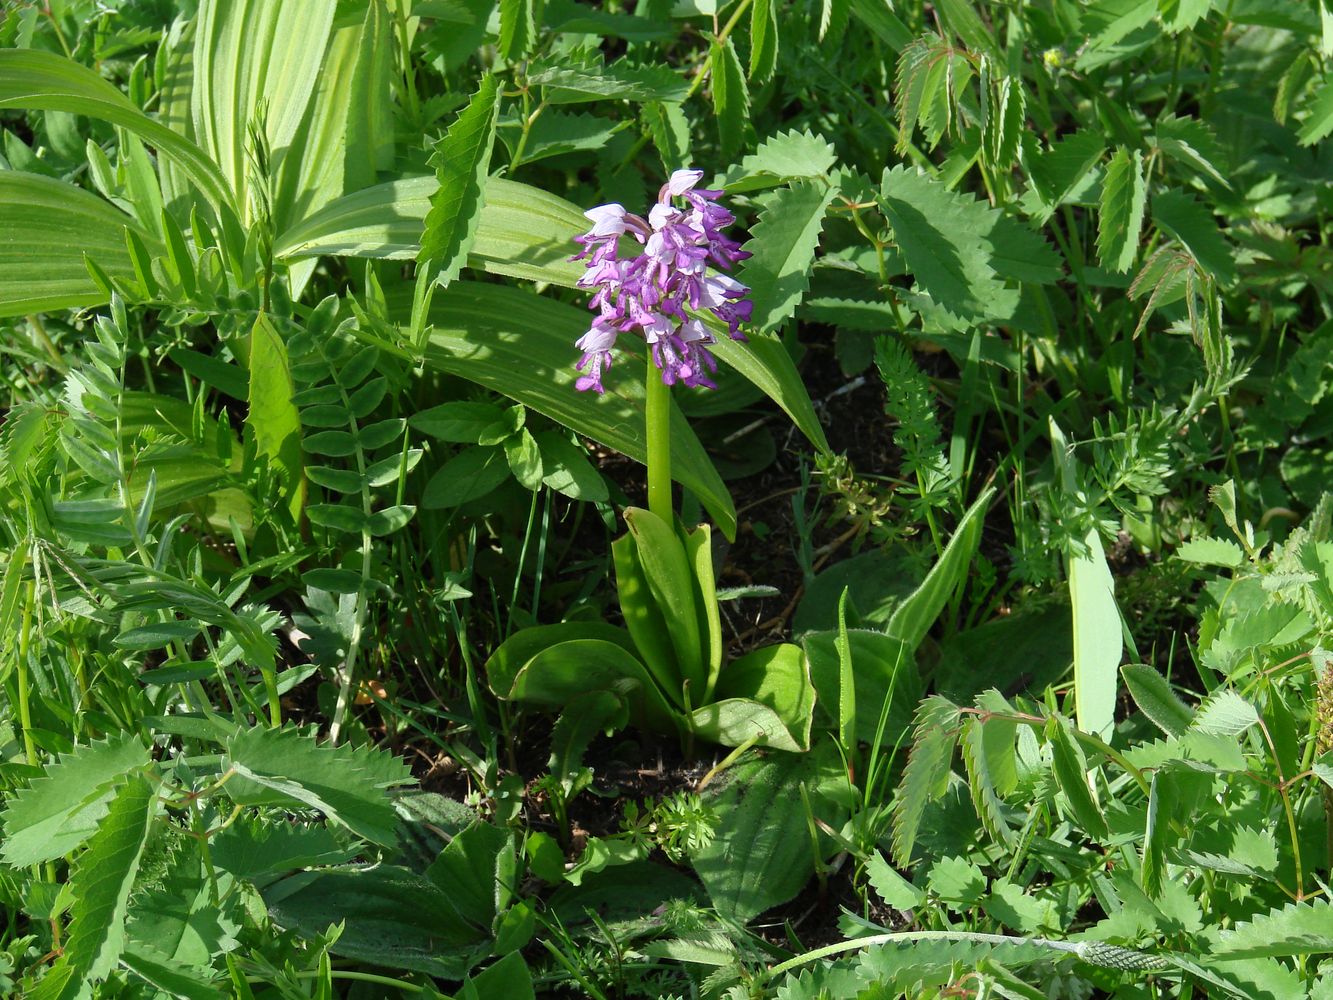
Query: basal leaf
(51,230)
(1124,197)
(272,417)
(783,244)
(62,809)
(461,160)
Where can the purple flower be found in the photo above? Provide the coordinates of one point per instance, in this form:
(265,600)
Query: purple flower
(651,291)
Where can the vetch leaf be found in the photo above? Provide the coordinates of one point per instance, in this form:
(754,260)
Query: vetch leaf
(461,160)
(783,244)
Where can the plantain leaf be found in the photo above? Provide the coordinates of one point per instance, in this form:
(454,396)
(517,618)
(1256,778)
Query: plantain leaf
(33,80)
(51,228)
(461,160)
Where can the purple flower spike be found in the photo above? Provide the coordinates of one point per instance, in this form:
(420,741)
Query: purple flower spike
(651,291)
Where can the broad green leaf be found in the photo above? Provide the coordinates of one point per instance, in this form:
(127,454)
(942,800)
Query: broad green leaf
(460,422)
(913,618)
(555,133)
(645,620)
(699,551)
(761,854)
(775,677)
(1124,197)
(886,679)
(583,720)
(282,767)
(521,345)
(272,417)
(253,58)
(173,978)
(1192,142)
(783,244)
(1098,641)
(392,918)
(101,883)
(60,810)
(891,886)
(49,228)
(1071,775)
(567,469)
(1061,170)
(1156,700)
(990,759)
(34,80)
(472,473)
(763,40)
(461,160)
(944,237)
(508,978)
(731,96)
(935,733)
(467,871)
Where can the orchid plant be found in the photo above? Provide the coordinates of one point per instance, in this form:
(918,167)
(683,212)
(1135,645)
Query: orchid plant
(665,668)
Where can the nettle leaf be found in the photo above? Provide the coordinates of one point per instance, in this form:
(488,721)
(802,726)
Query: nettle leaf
(781,158)
(926,777)
(62,808)
(783,244)
(282,767)
(1224,713)
(731,96)
(1124,198)
(945,239)
(101,886)
(1318,121)
(461,160)
(763,40)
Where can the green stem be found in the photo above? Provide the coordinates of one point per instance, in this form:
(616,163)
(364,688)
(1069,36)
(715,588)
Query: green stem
(658,417)
(25,709)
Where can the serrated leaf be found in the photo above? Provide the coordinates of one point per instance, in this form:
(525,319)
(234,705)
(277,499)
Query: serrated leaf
(781,158)
(461,160)
(1190,141)
(518,28)
(571,82)
(891,887)
(1318,121)
(990,759)
(272,417)
(101,886)
(62,808)
(1211,552)
(1108,21)
(1156,700)
(1295,929)
(763,40)
(670,130)
(945,239)
(1224,713)
(935,733)
(783,244)
(731,96)
(282,767)
(1120,221)
(1063,167)
(1002,130)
